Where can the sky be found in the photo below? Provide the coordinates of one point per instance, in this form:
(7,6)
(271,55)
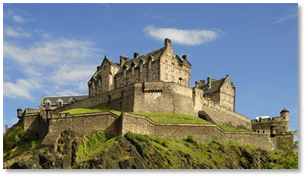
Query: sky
(53,49)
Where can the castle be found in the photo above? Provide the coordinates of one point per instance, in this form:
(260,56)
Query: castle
(156,82)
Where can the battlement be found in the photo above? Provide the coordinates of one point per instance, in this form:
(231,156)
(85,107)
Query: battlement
(275,125)
(268,120)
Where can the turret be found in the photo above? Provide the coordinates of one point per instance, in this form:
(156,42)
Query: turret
(19,113)
(284,114)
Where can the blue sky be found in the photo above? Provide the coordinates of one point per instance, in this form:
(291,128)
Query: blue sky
(53,49)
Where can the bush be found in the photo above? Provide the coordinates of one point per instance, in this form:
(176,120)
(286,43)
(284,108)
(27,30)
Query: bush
(190,139)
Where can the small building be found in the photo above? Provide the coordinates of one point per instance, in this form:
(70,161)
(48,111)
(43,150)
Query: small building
(60,101)
(221,91)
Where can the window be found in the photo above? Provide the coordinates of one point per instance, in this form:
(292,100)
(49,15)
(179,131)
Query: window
(99,82)
(154,76)
(132,70)
(137,80)
(48,103)
(59,103)
(145,78)
(106,81)
(172,67)
(150,65)
(165,65)
(172,79)
(165,76)
(93,85)
(141,68)
(125,73)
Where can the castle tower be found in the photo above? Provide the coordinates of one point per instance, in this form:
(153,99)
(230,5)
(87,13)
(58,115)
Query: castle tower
(284,114)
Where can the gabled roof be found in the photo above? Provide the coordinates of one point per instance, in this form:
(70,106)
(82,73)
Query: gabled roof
(215,86)
(65,99)
(155,54)
(182,60)
(110,61)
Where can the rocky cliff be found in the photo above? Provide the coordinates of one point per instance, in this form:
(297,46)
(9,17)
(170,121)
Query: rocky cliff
(132,151)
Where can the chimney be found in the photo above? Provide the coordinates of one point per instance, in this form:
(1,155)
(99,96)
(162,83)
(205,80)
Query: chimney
(19,113)
(209,80)
(135,55)
(185,57)
(167,42)
(98,68)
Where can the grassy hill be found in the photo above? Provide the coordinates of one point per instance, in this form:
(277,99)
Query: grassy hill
(100,151)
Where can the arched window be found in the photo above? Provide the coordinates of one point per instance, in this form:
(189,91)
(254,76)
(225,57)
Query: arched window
(132,70)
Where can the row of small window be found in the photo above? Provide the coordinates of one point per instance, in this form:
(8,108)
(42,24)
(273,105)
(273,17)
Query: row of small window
(141,69)
(173,68)
(103,81)
(137,80)
(180,80)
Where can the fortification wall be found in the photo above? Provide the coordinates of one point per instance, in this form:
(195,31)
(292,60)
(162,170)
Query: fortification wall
(280,125)
(85,124)
(120,99)
(31,120)
(202,133)
(222,115)
(164,97)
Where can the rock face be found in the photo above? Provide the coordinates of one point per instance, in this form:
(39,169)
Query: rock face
(131,151)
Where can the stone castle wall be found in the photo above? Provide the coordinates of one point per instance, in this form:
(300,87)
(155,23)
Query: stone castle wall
(85,124)
(279,124)
(51,128)
(162,97)
(122,99)
(200,132)
(222,115)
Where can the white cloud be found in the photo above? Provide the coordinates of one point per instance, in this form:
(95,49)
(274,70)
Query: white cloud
(73,74)
(17,16)
(15,32)
(63,66)
(183,37)
(22,88)
(49,52)
(291,16)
